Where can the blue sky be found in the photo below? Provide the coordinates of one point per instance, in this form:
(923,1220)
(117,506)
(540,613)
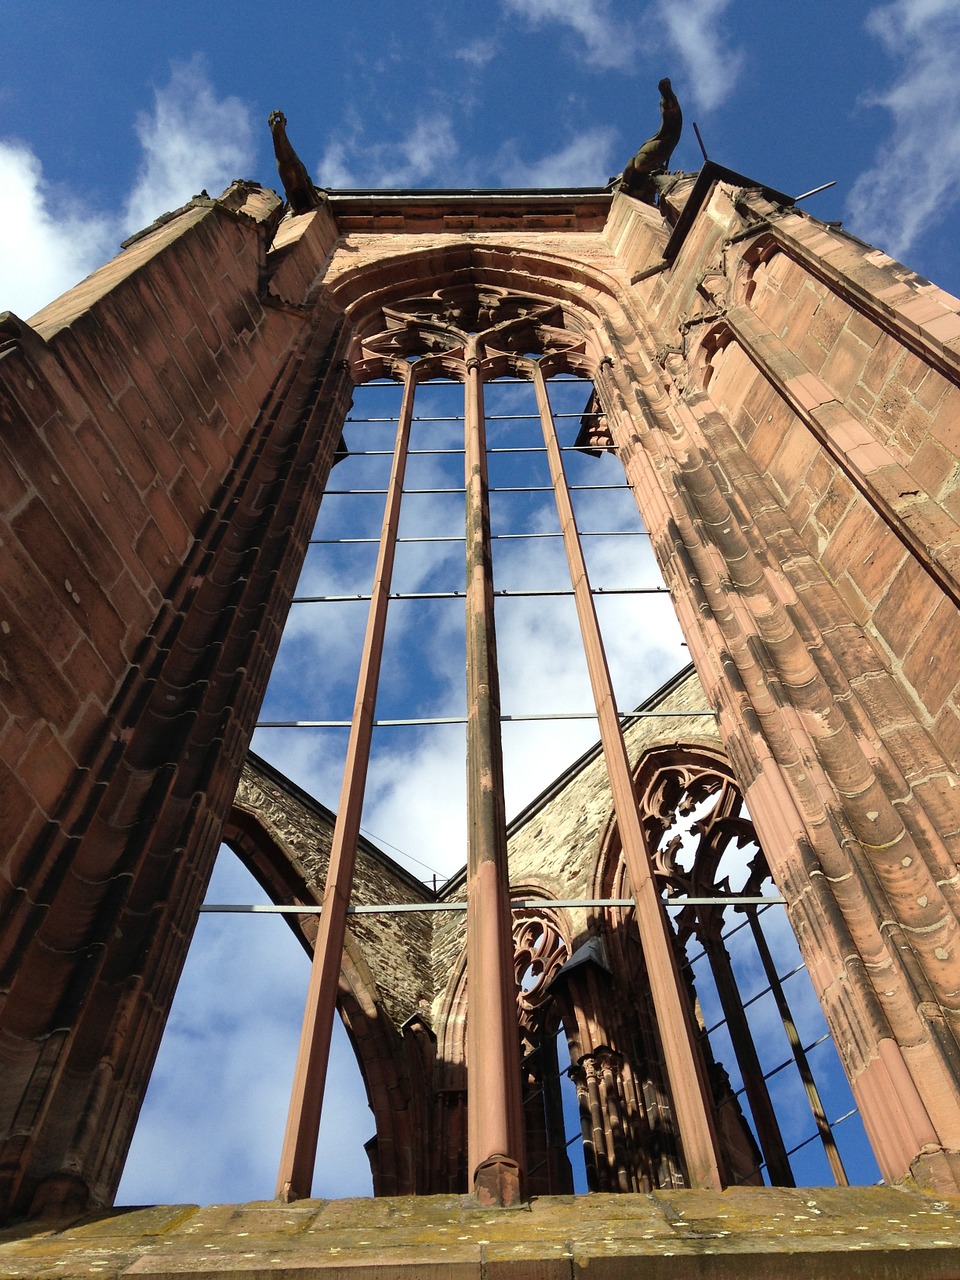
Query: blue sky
(112,113)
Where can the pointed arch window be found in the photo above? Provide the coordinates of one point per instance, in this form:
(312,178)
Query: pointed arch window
(777,1081)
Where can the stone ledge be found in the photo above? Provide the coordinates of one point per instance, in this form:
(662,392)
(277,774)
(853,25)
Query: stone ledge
(876,1232)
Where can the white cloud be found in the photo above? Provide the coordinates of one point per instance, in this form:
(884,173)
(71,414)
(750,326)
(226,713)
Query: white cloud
(425,154)
(334,170)
(587,159)
(48,243)
(191,141)
(915,178)
(477,53)
(607,42)
(214,1115)
(710,66)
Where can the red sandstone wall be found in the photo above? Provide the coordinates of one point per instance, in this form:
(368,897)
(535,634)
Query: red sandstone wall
(161,458)
(162,454)
(807,447)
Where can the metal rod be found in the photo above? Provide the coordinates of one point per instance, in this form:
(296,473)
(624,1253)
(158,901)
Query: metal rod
(494,537)
(298,1155)
(459,595)
(546,488)
(494,1107)
(521,488)
(703,149)
(405,908)
(490,417)
(688,1085)
(431,453)
(326,542)
(815,191)
(411,453)
(504,719)
(353,493)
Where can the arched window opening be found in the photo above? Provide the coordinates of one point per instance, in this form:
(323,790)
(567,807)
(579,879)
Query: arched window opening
(211,1123)
(783,1108)
(463,370)
(533,394)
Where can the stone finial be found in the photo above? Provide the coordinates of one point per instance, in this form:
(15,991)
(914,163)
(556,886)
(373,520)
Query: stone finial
(302,195)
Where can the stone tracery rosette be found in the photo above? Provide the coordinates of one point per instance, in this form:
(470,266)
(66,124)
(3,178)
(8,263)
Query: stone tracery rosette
(436,328)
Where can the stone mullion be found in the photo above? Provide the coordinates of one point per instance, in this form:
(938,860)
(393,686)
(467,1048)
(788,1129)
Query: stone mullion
(303,1122)
(764,758)
(684,1067)
(495,1109)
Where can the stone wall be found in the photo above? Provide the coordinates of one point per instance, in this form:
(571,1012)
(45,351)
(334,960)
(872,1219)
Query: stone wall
(784,402)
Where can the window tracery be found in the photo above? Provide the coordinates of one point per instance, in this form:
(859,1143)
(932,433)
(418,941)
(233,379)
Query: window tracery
(707,859)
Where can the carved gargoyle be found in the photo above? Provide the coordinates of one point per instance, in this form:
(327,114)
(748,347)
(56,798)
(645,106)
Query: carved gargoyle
(652,158)
(302,195)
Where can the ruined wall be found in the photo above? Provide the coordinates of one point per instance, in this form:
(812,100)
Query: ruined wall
(784,401)
(811,433)
(288,850)
(555,844)
(152,421)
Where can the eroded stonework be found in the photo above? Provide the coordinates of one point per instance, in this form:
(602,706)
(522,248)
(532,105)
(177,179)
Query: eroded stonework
(785,403)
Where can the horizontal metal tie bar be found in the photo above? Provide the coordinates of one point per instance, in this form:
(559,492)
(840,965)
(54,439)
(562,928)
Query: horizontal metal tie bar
(401,908)
(459,595)
(487,417)
(501,382)
(349,493)
(514,448)
(327,542)
(388,453)
(534,448)
(423,720)
(585,533)
(523,488)
(548,488)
